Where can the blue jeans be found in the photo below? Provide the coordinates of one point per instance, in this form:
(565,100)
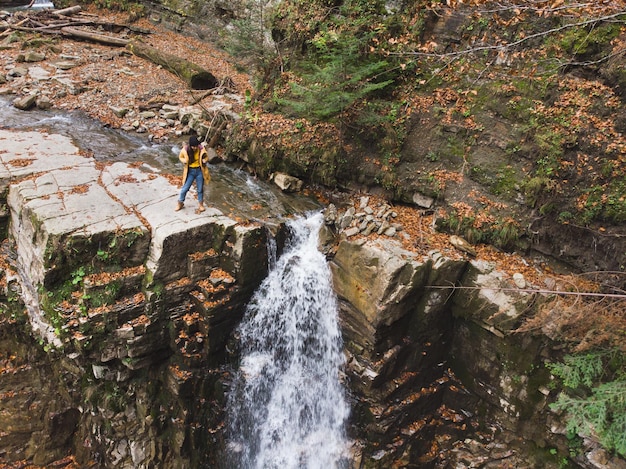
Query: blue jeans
(193,174)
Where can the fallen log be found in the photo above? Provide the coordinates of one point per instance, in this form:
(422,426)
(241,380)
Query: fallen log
(68,11)
(195,76)
(94,37)
(9,28)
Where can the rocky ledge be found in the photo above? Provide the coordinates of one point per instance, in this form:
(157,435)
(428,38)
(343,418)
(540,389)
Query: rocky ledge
(108,228)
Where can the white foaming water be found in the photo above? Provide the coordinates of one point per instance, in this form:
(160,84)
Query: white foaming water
(53,119)
(287,408)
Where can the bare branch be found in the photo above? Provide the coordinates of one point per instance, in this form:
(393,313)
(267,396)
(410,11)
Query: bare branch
(530,290)
(511,45)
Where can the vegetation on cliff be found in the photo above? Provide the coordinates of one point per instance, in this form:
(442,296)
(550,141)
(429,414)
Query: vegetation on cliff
(509,114)
(505,112)
(594,401)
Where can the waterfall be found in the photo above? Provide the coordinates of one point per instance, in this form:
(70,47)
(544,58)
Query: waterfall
(287,408)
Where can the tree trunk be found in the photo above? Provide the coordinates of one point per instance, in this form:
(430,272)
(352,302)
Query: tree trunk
(68,11)
(94,37)
(195,76)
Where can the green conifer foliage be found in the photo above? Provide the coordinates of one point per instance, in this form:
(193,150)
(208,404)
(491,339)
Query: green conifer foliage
(594,396)
(335,79)
(337,68)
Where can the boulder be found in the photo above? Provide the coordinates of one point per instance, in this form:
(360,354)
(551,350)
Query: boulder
(379,283)
(26,102)
(422,200)
(287,183)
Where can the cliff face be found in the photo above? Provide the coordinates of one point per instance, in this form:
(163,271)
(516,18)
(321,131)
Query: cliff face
(421,352)
(441,369)
(133,303)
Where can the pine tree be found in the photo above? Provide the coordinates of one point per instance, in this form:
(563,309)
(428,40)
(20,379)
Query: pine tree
(335,76)
(594,397)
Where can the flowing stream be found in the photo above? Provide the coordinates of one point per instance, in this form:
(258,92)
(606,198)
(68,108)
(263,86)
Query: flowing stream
(287,407)
(26,5)
(232,190)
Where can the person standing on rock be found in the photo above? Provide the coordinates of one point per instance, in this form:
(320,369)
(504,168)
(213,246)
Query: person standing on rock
(195,157)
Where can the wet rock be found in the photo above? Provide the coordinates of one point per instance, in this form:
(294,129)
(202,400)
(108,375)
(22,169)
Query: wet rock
(62,426)
(287,183)
(26,102)
(213,156)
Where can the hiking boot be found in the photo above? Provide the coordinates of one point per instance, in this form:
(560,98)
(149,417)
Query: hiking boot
(179,206)
(200,208)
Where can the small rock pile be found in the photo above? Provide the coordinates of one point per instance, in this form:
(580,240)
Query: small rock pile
(36,86)
(364,219)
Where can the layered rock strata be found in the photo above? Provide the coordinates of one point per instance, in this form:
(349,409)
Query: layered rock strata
(135,300)
(438,373)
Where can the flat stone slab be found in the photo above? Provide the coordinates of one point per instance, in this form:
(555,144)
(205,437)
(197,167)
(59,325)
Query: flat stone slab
(65,208)
(70,200)
(26,153)
(61,216)
(174,234)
